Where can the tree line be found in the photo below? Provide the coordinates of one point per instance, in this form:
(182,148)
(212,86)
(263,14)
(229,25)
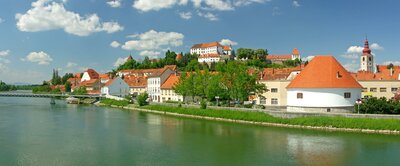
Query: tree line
(231,81)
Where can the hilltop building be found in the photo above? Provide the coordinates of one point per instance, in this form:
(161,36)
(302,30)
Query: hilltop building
(279,59)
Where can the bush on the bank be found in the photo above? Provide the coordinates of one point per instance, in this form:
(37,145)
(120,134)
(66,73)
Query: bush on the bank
(41,89)
(379,106)
(171,101)
(121,103)
(142,99)
(203,104)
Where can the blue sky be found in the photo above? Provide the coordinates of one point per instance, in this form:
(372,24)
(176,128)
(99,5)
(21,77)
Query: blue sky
(72,35)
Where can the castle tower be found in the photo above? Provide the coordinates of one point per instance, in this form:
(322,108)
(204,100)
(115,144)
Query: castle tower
(295,54)
(367,60)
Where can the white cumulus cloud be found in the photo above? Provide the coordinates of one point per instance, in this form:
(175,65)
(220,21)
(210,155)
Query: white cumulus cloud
(1,20)
(151,54)
(152,40)
(48,15)
(227,42)
(185,15)
(296,3)
(219,5)
(376,46)
(41,58)
(352,66)
(114,3)
(4,53)
(71,64)
(148,5)
(115,44)
(208,15)
(120,61)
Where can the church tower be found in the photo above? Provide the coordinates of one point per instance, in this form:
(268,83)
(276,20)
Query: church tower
(367,60)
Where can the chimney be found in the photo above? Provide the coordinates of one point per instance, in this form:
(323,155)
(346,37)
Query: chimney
(391,71)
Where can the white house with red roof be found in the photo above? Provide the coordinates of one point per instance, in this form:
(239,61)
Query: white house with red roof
(323,86)
(155,81)
(167,92)
(89,74)
(207,48)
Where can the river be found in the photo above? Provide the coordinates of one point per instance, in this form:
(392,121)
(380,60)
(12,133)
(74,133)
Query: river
(33,132)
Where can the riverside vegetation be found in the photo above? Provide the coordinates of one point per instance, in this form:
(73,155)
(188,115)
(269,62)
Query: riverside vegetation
(335,122)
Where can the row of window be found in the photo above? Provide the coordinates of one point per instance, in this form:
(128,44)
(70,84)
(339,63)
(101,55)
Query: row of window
(345,95)
(380,89)
(274,101)
(154,81)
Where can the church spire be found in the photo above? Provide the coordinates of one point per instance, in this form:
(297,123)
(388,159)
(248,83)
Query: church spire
(366,49)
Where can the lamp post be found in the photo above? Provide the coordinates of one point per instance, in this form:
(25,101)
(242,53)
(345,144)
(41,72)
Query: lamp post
(217,97)
(358,102)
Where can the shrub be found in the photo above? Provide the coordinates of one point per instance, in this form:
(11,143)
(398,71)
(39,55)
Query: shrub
(203,104)
(142,99)
(121,103)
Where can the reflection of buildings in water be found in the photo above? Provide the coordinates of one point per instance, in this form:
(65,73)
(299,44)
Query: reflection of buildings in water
(163,129)
(316,150)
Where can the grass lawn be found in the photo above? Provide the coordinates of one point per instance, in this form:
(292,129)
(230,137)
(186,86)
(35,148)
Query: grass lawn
(337,122)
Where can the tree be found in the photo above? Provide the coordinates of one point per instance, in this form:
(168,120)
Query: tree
(142,99)
(67,86)
(243,53)
(390,66)
(80,91)
(65,78)
(56,79)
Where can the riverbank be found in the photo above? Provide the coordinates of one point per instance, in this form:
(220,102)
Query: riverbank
(344,124)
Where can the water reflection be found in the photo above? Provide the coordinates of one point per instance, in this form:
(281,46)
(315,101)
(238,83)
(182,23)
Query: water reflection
(32,132)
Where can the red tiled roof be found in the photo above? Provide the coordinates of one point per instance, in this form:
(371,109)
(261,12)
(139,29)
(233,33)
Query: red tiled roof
(324,72)
(382,73)
(104,76)
(295,52)
(279,73)
(170,82)
(178,57)
(136,81)
(88,83)
(207,45)
(92,74)
(77,75)
(282,57)
(227,48)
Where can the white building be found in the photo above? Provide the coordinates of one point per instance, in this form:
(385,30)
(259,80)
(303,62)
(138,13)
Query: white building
(367,60)
(209,58)
(155,81)
(323,86)
(207,48)
(167,92)
(115,87)
(89,74)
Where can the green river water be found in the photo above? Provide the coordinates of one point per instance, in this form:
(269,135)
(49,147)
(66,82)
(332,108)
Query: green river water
(33,132)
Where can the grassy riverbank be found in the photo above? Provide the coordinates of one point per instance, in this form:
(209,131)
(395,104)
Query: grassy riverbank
(333,122)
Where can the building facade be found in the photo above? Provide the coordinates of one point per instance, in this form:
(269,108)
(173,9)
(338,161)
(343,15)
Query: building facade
(323,86)
(167,92)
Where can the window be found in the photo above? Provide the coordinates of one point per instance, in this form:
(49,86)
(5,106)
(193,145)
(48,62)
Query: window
(347,95)
(382,89)
(274,101)
(364,90)
(299,95)
(263,100)
(394,89)
(372,89)
(274,90)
